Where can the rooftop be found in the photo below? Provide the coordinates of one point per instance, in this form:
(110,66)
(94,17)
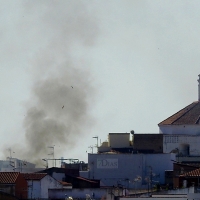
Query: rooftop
(8,177)
(190,115)
(34,176)
(193,173)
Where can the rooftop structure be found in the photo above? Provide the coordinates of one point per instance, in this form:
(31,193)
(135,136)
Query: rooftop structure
(34,176)
(190,115)
(185,121)
(17,165)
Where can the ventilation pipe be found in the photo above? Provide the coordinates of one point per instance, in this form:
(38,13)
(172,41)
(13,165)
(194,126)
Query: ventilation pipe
(132,133)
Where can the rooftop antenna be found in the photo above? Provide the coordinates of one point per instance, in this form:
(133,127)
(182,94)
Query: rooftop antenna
(199,88)
(96,137)
(10,151)
(52,153)
(91,147)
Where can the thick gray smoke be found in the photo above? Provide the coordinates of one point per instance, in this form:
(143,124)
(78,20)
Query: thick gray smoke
(60,112)
(58,109)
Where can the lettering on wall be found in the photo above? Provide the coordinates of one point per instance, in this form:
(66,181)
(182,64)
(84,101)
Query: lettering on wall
(107,163)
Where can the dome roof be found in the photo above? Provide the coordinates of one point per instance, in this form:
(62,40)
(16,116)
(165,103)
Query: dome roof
(190,115)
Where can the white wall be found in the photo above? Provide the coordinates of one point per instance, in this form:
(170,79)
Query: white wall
(182,194)
(115,169)
(34,190)
(180,129)
(110,192)
(16,165)
(154,198)
(159,164)
(77,193)
(171,142)
(182,191)
(84,174)
(39,188)
(48,183)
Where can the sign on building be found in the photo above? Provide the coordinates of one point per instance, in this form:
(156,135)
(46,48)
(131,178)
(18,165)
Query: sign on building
(107,163)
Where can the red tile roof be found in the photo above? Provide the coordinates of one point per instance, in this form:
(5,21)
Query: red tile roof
(188,115)
(193,173)
(85,179)
(8,177)
(65,183)
(34,176)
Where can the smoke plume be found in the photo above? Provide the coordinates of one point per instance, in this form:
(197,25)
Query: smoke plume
(58,109)
(60,112)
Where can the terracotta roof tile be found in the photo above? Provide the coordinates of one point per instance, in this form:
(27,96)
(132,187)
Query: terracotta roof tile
(85,179)
(34,176)
(194,173)
(65,183)
(8,177)
(188,115)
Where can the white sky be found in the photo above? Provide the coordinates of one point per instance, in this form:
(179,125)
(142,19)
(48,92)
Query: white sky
(143,58)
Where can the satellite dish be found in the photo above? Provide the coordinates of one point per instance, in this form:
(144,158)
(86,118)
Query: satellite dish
(132,132)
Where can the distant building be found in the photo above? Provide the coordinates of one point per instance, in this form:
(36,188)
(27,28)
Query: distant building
(117,142)
(124,156)
(39,184)
(130,160)
(148,143)
(17,165)
(184,122)
(181,132)
(129,170)
(71,175)
(13,183)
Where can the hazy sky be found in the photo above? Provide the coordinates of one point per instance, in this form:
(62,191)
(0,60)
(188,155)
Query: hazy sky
(115,66)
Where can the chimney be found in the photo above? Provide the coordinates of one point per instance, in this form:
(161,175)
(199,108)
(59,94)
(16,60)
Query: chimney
(199,88)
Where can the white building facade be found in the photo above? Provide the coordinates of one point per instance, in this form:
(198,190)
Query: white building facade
(184,145)
(17,165)
(129,170)
(39,184)
(181,132)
